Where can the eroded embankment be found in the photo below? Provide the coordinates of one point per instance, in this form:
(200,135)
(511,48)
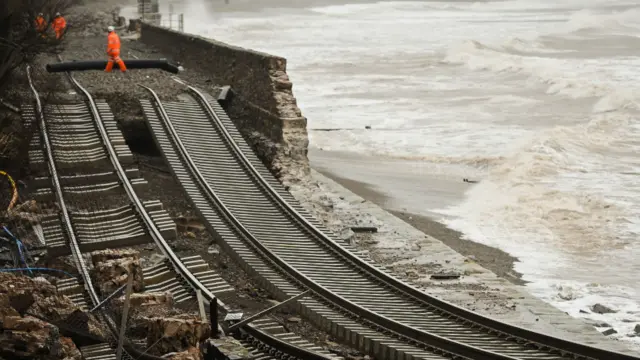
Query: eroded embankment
(262,104)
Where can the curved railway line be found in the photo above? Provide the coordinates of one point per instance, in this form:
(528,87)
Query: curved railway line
(269,233)
(80,134)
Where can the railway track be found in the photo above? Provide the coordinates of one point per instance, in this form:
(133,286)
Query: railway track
(87,141)
(280,243)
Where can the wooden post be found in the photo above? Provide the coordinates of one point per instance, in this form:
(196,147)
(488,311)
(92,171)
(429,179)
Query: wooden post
(125,315)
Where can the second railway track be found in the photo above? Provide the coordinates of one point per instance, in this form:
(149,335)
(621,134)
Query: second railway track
(77,140)
(274,238)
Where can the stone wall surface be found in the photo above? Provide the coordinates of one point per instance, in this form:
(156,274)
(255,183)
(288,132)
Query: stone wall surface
(263,105)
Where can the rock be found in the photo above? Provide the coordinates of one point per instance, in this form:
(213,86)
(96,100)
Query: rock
(147,300)
(584,312)
(637,329)
(294,319)
(601,309)
(113,254)
(229,347)
(567,293)
(213,250)
(609,332)
(176,334)
(31,338)
(445,276)
(191,353)
(152,260)
(61,308)
(110,269)
(20,295)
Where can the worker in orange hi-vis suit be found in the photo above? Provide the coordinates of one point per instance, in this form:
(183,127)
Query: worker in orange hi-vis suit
(59,25)
(113,50)
(41,25)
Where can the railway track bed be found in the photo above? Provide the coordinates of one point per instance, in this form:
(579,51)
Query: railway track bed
(94,206)
(276,240)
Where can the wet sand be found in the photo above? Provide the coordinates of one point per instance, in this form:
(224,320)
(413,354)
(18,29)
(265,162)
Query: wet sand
(372,179)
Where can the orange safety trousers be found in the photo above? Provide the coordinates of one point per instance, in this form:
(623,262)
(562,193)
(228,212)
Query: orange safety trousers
(114,56)
(59,24)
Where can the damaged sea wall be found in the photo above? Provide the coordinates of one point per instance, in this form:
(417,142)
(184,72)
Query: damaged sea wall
(262,105)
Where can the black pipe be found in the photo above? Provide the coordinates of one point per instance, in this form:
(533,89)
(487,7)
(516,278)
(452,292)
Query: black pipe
(101,64)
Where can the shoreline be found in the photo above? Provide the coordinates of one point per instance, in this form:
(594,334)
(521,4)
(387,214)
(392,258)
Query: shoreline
(493,259)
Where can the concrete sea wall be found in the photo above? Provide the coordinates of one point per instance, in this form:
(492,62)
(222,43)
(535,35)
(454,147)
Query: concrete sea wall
(263,105)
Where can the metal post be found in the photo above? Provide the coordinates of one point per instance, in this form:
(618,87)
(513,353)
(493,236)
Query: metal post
(213,315)
(125,315)
(113,294)
(266,311)
(171,16)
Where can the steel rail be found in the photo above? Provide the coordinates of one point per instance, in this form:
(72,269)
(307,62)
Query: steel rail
(543,341)
(251,330)
(73,243)
(427,339)
(175,261)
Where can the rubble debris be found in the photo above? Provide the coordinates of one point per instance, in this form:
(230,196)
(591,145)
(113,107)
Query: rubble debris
(23,336)
(229,347)
(176,334)
(110,269)
(31,338)
(139,300)
(191,353)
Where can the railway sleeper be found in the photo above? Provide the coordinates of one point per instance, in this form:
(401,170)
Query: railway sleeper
(112,228)
(98,352)
(345,329)
(74,290)
(160,278)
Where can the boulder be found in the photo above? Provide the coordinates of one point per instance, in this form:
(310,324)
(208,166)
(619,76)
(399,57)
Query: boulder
(62,309)
(111,268)
(31,338)
(176,334)
(20,295)
(637,329)
(601,309)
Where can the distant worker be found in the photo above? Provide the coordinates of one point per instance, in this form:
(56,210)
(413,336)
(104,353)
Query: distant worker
(59,25)
(113,50)
(41,25)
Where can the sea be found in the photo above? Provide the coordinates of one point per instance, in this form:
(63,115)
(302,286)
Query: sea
(538,100)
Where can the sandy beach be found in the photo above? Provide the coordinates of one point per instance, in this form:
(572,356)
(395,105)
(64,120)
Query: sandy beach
(405,189)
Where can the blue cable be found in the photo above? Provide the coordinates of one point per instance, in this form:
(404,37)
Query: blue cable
(37,269)
(20,248)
